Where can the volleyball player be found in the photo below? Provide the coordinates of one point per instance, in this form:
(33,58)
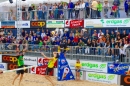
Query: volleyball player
(50,65)
(20,64)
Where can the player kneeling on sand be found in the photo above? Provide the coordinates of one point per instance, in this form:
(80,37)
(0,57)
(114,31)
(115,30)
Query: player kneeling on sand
(51,64)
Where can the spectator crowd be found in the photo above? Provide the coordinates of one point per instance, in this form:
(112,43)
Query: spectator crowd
(99,43)
(79,10)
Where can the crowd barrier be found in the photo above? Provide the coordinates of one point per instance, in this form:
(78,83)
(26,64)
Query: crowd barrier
(74,52)
(51,14)
(103,72)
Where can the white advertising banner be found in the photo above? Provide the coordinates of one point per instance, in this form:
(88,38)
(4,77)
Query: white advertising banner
(3,66)
(23,24)
(33,70)
(121,22)
(95,23)
(90,66)
(92,23)
(30,60)
(103,78)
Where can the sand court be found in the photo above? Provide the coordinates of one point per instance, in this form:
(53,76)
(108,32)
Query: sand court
(39,80)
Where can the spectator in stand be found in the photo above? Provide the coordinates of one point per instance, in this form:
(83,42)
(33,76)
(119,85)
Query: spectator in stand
(88,48)
(94,45)
(70,9)
(82,6)
(117,3)
(122,54)
(87,9)
(106,8)
(76,40)
(77,10)
(40,11)
(116,54)
(126,6)
(100,34)
(112,35)
(80,47)
(94,9)
(99,9)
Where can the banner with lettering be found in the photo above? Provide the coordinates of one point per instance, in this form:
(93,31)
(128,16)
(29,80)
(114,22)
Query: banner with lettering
(120,69)
(55,23)
(64,71)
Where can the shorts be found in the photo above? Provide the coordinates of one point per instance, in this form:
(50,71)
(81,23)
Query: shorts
(20,71)
(48,70)
(77,70)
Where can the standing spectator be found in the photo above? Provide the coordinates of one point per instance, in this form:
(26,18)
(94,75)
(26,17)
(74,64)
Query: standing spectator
(106,8)
(114,11)
(124,35)
(99,9)
(82,6)
(70,9)
(45,9)
(126,6)
(60,9)
(65,7)
(24,13)
(94,8)
(48,32)
(117,3)
(116,54)
(112,46)
(87,7)
(31,14)
(77,10)
(40,11)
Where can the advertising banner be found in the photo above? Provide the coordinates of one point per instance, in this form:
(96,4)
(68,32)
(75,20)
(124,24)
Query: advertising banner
(90,66)
(43,61)
(3,66)
(101,77)
(14,66)
(125,80)
(0,57)
(121,22)
(120,69)
(64,71)
(38,24)
(9,59)
(30,60)
(7,24)
(55,23)
(92,23)
(74,23)
(41,70)
(22,24)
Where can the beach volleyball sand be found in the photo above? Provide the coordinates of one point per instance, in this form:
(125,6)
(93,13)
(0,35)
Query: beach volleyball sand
(39,80)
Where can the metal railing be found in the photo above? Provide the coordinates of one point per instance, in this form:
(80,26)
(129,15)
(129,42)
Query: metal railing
(64,14)
(73,52)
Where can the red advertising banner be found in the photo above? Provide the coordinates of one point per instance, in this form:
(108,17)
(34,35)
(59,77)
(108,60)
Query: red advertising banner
(74,23)
(41,70)
(42,61)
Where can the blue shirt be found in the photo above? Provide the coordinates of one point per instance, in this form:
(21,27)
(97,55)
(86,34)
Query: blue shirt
(71,5)
(86,4)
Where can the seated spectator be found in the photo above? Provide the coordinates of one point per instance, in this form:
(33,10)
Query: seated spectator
(80,47)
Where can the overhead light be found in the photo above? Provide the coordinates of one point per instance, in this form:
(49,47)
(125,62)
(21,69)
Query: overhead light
(11,1)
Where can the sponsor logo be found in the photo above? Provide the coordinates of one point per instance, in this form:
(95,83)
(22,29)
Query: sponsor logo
(1,66)
(11,59)
(63,61)
(12,66)
(92,65)
(28,59)
(38,24)
(25,24)
(125,80)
